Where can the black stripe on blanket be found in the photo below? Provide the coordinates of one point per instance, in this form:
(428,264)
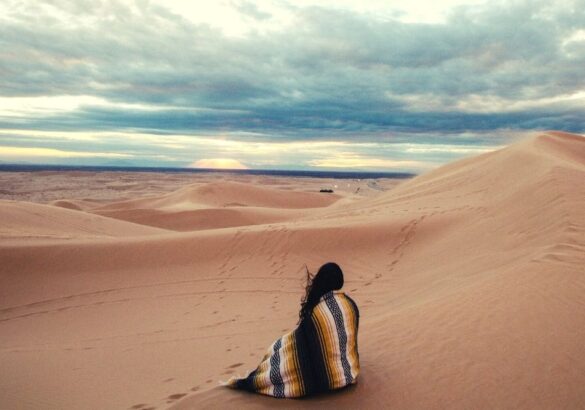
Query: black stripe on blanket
(275,376)
(338,317)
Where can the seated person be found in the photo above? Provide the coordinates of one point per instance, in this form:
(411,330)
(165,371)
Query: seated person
(321,354)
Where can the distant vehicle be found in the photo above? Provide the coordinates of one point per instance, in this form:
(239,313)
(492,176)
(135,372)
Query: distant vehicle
(326,190)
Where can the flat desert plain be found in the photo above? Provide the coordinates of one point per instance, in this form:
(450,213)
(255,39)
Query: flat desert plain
(143,291)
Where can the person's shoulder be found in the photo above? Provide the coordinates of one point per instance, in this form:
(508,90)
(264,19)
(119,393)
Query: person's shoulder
(343,295)
(349,299)
(337,294)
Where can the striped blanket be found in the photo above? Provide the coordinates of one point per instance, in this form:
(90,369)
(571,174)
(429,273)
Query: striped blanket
(320,354)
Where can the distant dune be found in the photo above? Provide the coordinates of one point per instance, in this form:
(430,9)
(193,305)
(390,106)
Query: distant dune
(22,220)
(217,205)
(199,219)
(226,194)
(67,204)
(469,279)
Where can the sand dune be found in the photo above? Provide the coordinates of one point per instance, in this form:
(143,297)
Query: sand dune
(217,205)
(76,204)
(469,280)
(63,203)
(476,306)
(227,194)
(207,218)
(28,220)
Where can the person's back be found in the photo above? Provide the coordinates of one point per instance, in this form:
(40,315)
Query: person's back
(333,330)
(321,353)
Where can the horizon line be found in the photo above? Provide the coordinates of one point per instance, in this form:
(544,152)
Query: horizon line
(19,167)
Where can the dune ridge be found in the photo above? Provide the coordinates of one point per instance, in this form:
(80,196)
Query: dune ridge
(226,194)
(469,279)
(217,205)
(29,220)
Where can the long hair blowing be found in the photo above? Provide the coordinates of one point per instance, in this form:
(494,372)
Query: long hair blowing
(328,278)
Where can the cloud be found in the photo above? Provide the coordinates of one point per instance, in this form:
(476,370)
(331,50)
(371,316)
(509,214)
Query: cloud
(444,148)
(350,160)
(306,72)
(30,152)
(251,10)
(177,150)
(218,163)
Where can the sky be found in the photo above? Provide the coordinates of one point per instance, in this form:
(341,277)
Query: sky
(281,84)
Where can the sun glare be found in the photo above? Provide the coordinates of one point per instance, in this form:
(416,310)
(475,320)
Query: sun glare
(218,163)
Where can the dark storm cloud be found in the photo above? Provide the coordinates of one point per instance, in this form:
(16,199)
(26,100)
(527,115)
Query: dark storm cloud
(333,73)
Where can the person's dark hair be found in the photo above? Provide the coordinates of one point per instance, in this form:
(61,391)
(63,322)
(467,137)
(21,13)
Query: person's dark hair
(328,278)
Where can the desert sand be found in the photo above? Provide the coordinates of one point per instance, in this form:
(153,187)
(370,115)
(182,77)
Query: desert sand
(470,281)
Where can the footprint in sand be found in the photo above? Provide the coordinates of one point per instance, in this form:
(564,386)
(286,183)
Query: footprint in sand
(195,388)
(176,396)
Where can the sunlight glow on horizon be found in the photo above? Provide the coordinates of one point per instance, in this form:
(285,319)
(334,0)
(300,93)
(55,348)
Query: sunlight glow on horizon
(218,163)
(220,151)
